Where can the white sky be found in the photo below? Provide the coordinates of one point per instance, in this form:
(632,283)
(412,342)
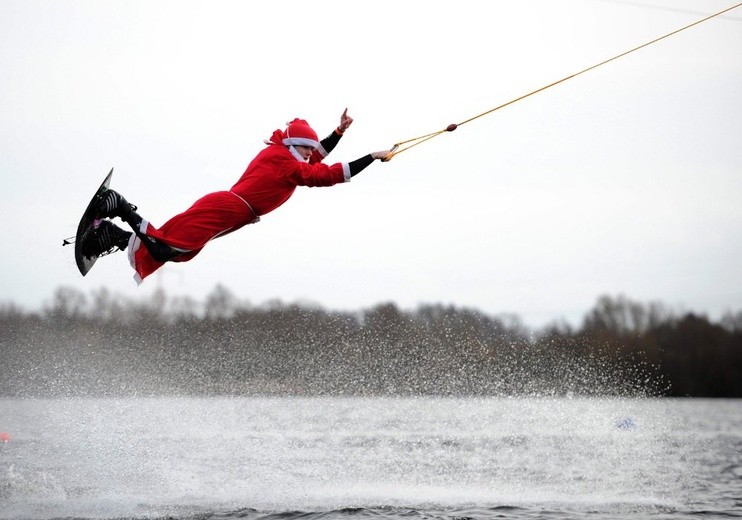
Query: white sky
(624,180)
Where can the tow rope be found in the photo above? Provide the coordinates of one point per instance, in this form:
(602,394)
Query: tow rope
(410,143)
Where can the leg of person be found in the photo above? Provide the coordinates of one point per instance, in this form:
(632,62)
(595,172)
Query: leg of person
(104,237)
(115,205)
(160,251)
(212,216)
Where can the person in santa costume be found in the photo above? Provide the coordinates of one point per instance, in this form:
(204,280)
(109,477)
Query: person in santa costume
(292,158)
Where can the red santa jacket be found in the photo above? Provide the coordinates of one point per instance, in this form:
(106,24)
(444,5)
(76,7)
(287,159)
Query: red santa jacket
(273,175)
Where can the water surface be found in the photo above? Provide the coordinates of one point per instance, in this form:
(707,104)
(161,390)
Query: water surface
(262,458)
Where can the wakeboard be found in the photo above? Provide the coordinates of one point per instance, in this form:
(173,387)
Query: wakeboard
(85,263)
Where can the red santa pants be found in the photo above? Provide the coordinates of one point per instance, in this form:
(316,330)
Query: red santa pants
(211,216)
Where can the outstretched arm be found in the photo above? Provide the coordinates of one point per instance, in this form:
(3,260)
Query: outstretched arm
(329,143)
(358,165)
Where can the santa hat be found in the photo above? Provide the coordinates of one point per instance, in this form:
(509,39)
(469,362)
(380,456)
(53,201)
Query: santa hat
(298,132)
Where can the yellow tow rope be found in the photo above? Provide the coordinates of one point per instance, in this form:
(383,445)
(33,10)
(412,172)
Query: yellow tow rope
(453,126)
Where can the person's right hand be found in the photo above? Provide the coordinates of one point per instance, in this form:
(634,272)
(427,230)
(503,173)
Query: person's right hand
(345,121)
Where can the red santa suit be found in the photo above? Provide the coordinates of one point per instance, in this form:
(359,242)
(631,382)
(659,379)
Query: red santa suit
(269,181)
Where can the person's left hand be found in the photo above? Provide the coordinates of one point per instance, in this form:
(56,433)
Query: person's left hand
(383,155)
(345,121)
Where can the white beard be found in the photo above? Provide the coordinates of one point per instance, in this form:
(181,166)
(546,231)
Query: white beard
(296,154)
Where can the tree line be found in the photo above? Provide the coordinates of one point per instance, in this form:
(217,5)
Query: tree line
(103,344)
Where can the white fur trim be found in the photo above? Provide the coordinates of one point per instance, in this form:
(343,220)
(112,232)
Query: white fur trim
(346,171)
(301,141)
(296,154)
(134,244)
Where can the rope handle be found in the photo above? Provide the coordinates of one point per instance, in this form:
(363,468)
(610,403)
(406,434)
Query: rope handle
(421,139)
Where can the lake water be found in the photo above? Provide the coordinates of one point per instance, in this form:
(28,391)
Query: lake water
(381,458)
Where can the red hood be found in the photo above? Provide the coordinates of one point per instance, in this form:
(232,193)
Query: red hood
(276,138)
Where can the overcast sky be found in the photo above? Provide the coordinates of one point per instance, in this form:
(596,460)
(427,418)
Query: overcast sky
(624,180)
